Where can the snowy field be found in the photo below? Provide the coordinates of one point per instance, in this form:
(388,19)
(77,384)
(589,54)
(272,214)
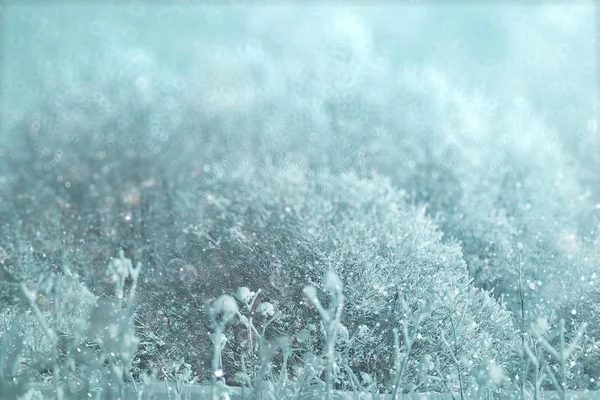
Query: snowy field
(293,200)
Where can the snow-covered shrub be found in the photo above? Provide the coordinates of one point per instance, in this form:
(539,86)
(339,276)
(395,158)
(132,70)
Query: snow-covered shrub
(277,228)
(117,150)
(498,170)
(116,140)
(497,175)
(485,166)
(66,334)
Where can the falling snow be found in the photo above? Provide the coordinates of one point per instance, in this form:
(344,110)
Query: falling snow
(303,201)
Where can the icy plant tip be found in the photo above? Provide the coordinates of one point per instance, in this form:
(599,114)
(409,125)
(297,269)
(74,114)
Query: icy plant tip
(332,282)
(243,294)
(225,306)
(495,373)
(218,339)
(311,293)
(541,326)
(362,330)
(265,309)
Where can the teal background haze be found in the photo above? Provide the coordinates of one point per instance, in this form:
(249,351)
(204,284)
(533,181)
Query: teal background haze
(544,51)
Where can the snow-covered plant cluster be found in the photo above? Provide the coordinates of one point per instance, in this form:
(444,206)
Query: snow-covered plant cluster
(324,198)
(79,351)
(283,226)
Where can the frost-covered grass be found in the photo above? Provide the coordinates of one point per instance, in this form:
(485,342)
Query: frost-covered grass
(76,376)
